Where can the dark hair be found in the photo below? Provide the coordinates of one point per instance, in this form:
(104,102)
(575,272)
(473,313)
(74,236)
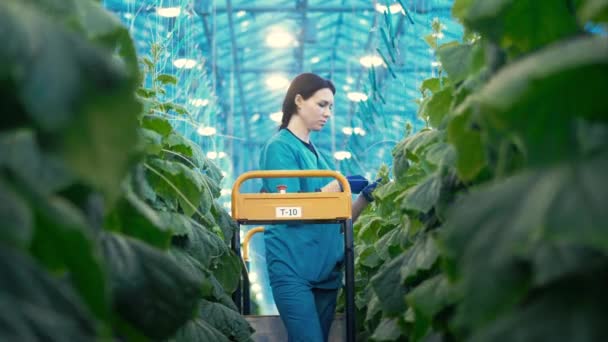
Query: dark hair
(306,85)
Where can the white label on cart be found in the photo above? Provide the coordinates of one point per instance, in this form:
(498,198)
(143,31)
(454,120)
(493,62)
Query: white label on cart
(288,212)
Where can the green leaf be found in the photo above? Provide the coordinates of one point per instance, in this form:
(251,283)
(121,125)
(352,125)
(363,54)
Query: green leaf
(523,215)
(228,321)
(207,248)
(421,257)
(169,106)
(132,216)
(21,156)
(430,297)
(593,10)
(16,217)
(387,285)
(91,113)
(561,204)
(369,258)
(64,243)
(389,244)
(166,79)
(431,41)
(419,142)
(225,221)
(521,26)
(423,196)
(460,8)
(470,155)
(456,59)
(573,310)
(228,271)
(198,330)
(153,292)
(176,182)
(388,330)
(432,84)
(157,124)
(152,141)
(35,304)
(179,144)
(556,72)
(438,106)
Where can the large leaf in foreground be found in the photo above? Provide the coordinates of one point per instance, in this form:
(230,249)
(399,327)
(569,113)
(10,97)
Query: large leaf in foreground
(572,74)
(151,291)
(226,320)
(35,306)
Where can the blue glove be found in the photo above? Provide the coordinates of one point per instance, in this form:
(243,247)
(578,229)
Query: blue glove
(368,190)
(356,182)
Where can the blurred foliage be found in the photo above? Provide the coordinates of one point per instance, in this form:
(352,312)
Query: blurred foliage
(111,225)
(494,228)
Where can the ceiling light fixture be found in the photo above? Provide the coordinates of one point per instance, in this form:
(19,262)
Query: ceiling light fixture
(341,155)
(168,12)
(371,60)
(185,63)
(394,8)
(356,96)
(276,117)
(277,81)
(206,131)
(199,102)
(279,38)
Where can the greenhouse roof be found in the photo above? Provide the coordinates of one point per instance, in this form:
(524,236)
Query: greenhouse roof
(234,57)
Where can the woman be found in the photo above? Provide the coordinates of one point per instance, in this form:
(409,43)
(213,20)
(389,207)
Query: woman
(304,260)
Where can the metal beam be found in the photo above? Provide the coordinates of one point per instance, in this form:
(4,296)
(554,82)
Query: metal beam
(302,6)
(316,70)
(237,71)
(274,9)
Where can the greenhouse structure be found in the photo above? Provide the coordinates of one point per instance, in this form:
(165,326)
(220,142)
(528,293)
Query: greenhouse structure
(304,170)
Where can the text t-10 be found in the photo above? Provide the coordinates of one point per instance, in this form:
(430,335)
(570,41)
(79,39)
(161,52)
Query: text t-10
(288,212)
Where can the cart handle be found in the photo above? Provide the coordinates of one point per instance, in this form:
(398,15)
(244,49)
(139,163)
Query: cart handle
(290,174)
(248,237)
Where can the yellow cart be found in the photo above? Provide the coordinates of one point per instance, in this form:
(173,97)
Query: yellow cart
(310,207)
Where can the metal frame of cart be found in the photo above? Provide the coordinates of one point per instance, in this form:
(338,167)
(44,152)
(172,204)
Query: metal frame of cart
(310,207)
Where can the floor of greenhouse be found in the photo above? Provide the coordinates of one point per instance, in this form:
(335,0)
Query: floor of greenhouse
(271,329)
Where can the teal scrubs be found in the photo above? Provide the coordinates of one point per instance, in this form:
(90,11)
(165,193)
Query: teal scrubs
(304,260)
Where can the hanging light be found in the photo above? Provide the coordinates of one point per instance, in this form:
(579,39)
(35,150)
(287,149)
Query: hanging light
(168,12)
(356,96)
(185,63)
(240,14)
(199,102)
(371,61)
(359,131)
(206,131)
(279,38)
(394,8)
(315,60)
(347,130)
(276,81)
(259,296)
(276,117)
(341,155)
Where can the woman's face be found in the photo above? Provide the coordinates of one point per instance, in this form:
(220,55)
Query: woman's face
(316,110)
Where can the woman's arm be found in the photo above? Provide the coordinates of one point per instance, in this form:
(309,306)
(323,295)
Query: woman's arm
(358,205)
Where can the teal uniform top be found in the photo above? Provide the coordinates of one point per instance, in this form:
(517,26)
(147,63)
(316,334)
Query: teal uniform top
(311,252)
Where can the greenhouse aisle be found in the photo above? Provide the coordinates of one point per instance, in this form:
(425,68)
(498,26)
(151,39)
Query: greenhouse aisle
(466,139)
